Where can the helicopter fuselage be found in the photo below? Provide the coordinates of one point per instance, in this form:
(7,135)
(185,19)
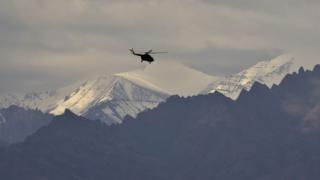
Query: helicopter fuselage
(146,57)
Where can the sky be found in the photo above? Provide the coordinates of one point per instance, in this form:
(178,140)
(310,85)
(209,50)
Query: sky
(47,44)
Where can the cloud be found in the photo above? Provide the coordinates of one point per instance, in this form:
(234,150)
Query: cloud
(77,38)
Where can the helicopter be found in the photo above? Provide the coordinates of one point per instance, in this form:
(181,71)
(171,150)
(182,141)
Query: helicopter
(146,55)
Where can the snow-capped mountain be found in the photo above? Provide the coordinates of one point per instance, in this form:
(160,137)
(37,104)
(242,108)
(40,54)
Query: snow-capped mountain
(81,98)
(111,97)
(106,97)
(266,72)
(44,101)
(7,100)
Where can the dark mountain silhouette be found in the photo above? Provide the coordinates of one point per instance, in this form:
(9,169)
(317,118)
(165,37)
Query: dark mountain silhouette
(265,134)
(17,123)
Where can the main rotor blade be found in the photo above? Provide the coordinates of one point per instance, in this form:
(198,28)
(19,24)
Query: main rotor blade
(157,52)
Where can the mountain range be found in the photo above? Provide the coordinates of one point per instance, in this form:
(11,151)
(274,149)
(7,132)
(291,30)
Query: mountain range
(112,97)
(17,123)
(265,72)
(266,133)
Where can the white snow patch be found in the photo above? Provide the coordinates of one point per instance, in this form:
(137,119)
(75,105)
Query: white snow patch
(86,96)
(266,72)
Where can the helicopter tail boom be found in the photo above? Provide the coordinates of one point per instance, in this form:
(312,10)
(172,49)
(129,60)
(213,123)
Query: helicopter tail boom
(134,53)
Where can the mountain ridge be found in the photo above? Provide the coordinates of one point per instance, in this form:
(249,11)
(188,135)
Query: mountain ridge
(266,72)
(17,123)
(97,98)
(200,137)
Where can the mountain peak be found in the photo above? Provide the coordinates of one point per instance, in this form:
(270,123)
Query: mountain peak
(265,72)
(111,97)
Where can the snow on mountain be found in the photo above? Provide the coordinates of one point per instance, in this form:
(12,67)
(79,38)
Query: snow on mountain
(125,98)
(43,101)
(111,98)
(173,77)
(266,72)
(8,99)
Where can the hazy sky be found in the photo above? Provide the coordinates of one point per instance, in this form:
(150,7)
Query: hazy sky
(49,43)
